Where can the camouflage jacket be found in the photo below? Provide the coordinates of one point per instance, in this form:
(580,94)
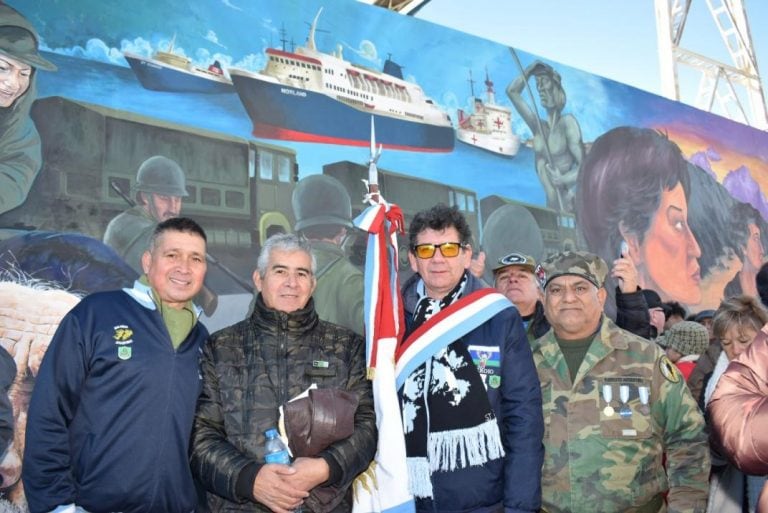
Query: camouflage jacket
(249,370)
(607,457)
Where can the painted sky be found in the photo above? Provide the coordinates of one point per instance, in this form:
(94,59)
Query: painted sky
(439,59)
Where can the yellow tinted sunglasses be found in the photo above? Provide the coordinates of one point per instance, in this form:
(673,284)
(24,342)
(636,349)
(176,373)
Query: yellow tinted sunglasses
(447,249)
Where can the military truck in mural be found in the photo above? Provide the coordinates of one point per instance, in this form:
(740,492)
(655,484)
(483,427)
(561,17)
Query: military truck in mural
(239,189)
(410,193)
(557,228)
(499,224)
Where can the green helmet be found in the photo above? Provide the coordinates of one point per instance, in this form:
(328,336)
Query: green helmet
(161,175)
(321,199)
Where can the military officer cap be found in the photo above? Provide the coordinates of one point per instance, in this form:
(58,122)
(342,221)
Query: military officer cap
(575,263)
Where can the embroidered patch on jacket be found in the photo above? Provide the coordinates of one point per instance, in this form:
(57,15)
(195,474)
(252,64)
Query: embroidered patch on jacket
(669,370)
(487,359)
(123,336)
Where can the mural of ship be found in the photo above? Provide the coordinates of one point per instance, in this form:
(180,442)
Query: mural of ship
(171,72)
(310,96)
(489,126)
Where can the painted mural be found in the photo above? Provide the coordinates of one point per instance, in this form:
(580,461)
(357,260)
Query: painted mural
(138,111)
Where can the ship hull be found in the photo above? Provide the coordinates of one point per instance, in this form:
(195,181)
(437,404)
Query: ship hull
(279,111)
(507,147)
(157,76)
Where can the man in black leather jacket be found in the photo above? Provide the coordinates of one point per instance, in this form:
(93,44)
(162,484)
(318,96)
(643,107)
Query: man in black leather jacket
(254,367)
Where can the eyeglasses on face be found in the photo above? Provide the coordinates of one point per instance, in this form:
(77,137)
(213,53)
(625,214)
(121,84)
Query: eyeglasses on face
(447,249)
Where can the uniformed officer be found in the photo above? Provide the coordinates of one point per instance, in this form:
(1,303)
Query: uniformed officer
(613,406)
(323,212)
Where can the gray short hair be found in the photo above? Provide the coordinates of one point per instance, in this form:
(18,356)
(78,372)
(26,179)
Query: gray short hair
(283,242)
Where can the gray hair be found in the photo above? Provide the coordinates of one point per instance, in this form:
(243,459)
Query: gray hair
(283,242)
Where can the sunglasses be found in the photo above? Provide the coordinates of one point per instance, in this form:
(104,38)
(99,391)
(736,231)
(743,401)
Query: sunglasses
(447,249)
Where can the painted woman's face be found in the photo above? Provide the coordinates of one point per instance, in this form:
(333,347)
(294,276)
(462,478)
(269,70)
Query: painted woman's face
(669,253)
(14,80)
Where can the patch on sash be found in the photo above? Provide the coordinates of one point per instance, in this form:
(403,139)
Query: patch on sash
(669,370)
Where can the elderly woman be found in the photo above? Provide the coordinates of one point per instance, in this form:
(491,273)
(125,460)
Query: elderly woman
(633,187)
(736,323)
(20,157)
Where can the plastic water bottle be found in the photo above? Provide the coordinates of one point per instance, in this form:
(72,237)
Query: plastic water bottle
(275,449)
(277,452)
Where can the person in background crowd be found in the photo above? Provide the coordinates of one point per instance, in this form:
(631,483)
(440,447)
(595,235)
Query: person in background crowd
(20,157)
(515,276)
(705,319)
(323,212)
(112,408)
(685,342)
(613,405)
(253,368)
(473,391)
(707,361)
(738,413)
(656,314)
(674,312)
(736,323)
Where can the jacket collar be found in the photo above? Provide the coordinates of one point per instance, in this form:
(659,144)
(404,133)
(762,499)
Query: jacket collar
(142,294)
(270,320)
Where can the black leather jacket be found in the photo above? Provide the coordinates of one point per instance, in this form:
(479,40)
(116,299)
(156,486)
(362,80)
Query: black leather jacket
(249,370)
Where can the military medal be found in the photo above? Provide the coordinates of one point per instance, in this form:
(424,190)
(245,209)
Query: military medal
(643,392)
(625,411)
(608,411)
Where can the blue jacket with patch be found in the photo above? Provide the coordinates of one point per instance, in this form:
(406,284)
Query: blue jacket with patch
(515,481)
(112,410)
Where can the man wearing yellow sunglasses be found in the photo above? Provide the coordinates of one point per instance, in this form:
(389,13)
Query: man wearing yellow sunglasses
(467,384)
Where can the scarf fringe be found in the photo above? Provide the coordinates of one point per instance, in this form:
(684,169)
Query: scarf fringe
(460,448)
(419,482)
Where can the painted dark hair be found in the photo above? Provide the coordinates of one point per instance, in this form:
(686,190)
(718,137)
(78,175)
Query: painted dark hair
(438,218)
(621,182)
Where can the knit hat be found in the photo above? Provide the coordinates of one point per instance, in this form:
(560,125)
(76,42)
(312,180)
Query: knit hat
(576,263)
(687,338)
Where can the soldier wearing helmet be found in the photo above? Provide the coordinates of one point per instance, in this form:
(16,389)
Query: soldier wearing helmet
(160,185)
(323,212)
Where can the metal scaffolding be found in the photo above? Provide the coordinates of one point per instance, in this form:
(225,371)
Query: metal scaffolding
(733,89)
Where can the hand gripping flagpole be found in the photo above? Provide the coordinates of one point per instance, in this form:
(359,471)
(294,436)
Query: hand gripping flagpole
(383,487)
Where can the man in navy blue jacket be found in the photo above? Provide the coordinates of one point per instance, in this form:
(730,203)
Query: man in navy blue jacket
(112,409)
(468,388)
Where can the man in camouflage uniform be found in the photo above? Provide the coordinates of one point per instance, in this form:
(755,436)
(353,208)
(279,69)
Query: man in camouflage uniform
(613,406)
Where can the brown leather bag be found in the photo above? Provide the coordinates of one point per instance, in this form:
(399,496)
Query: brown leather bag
(313,423)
